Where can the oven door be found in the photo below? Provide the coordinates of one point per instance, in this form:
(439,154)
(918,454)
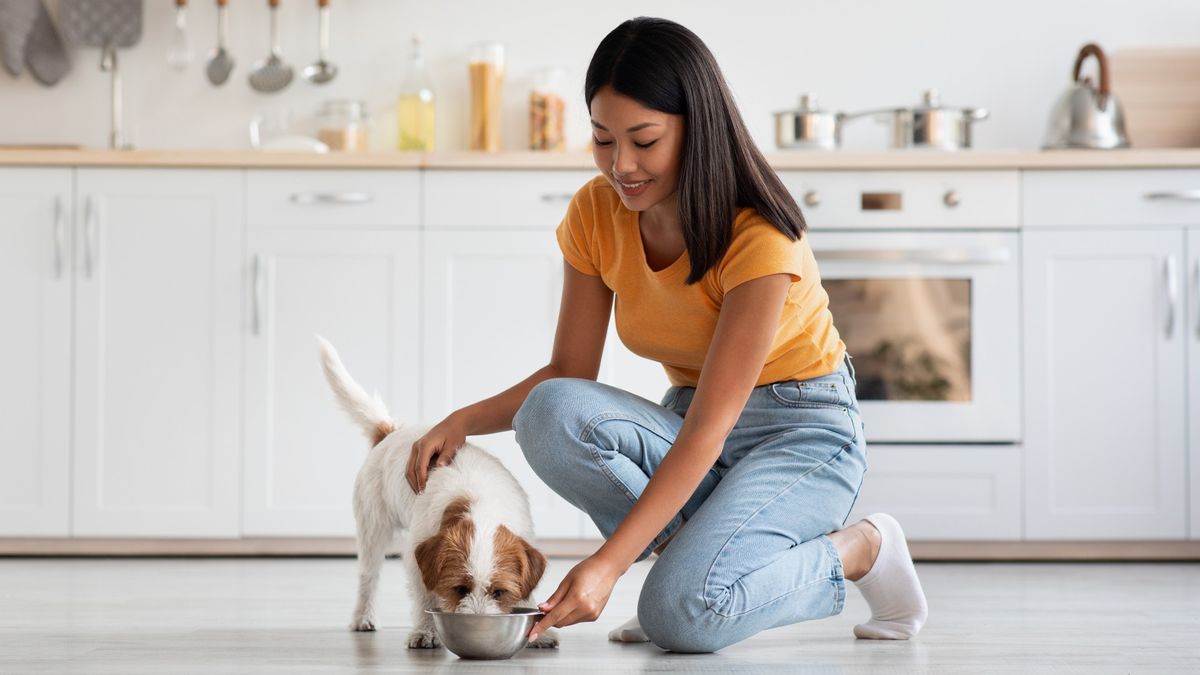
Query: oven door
(931,322)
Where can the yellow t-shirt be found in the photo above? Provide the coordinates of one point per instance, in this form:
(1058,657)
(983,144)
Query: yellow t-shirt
(661,318)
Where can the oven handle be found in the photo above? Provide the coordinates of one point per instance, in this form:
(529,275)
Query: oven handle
(938,256)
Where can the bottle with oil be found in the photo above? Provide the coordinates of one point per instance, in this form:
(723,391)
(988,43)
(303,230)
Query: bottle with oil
(415,106)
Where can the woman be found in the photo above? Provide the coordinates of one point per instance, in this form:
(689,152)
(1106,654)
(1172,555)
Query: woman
(758,443)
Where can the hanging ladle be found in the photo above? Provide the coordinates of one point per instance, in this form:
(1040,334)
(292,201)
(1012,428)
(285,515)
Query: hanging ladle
(221,63)
(273,74)
(322,71)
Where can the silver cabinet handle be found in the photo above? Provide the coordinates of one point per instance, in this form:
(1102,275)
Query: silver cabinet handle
(945,256)
(60,234)
(951,198)
(1175,196)
(306,198)
(1196,279)
(258,293)
(550,198)
(812,199)
(1172,289)
(89,236)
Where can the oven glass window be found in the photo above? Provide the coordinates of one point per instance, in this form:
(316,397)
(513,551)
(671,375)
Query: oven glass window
(910,337)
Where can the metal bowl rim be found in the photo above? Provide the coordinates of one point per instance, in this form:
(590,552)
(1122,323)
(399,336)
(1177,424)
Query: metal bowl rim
(527,611)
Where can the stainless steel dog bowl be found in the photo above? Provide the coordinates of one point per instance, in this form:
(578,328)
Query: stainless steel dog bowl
(485,636)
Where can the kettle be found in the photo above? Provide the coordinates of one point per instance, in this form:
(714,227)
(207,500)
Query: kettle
(1084,116)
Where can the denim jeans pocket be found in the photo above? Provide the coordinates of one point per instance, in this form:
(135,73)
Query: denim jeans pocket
(821,392)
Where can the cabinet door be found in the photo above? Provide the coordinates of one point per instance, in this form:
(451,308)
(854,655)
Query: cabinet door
(945,492)
(491,307)
(359,290)
(35,390)
(157,353)
(1104,396)
(1192,331)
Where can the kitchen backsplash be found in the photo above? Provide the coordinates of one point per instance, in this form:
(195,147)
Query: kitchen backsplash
(1012,58)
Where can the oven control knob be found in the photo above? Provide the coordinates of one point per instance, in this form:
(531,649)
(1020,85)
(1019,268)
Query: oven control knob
(951,198)
(811,198)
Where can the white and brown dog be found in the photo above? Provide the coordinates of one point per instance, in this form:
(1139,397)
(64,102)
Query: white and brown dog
(467,548)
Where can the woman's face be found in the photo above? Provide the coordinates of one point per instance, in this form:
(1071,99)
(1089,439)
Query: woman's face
(637,149)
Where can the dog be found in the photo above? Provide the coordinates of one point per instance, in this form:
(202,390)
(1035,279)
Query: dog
(467,548)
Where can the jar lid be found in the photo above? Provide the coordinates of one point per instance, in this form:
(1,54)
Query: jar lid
(351,106)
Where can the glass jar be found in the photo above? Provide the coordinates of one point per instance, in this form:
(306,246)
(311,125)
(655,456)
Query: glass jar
(486,72)
(342,125)
(547,107)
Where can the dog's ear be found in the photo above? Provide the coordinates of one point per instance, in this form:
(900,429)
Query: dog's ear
(535,567)
(427,555)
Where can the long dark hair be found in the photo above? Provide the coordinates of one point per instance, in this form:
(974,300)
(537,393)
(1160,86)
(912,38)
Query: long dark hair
(666,67)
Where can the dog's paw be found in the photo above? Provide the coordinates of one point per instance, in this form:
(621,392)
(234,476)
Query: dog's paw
(547,640)
(423,639)
(363,622)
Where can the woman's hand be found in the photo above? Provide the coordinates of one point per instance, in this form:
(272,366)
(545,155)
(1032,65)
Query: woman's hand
(438,445)
(581,596)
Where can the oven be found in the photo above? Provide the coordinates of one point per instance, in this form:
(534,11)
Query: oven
(926,297)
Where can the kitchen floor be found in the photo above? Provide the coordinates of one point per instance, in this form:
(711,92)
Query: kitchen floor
(289,615)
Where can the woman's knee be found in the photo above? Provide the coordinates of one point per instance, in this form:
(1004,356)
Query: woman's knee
(675,614)
(544,417)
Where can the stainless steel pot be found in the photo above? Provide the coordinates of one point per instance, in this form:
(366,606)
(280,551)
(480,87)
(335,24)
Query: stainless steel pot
(929,125)
(808,127)
(1084,116)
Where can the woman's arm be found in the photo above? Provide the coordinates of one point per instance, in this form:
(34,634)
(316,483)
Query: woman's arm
(578,344)
(745,330)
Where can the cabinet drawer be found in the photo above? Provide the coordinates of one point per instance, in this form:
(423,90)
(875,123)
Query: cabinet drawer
(906,199)
(332,198)
(1106,197)
(477,199)
(945,492)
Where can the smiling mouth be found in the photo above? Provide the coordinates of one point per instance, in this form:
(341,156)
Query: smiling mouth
(633,186)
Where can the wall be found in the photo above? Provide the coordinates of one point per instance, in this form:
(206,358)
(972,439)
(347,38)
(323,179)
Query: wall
(1013,58)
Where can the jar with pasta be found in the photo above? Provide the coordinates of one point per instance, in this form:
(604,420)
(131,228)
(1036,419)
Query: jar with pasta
(486,70)
(547,110)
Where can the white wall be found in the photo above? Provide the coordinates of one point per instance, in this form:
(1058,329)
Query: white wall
(1012,57)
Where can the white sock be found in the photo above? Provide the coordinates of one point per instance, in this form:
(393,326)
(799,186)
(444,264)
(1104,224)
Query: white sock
(891,587)
(630,631)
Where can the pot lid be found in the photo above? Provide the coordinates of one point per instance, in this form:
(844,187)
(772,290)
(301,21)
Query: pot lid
(808,104)
(931,99)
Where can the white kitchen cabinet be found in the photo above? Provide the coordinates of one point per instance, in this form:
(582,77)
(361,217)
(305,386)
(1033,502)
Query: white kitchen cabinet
(1105,397)
(1192,330)
(359,290)
(499,199)
(945,492)
(490,311)
(35,390)
(157,356)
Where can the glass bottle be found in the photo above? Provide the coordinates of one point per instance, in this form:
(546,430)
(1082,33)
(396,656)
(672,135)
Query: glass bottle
(415,105)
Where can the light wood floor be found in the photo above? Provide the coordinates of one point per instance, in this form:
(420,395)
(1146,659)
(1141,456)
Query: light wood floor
(216,616)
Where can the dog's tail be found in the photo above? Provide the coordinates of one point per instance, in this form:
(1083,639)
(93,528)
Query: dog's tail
(368,411)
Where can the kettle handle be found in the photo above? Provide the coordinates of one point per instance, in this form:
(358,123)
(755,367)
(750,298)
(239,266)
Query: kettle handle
(1093,49)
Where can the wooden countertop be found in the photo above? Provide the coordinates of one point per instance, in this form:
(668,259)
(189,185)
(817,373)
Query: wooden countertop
(796,160)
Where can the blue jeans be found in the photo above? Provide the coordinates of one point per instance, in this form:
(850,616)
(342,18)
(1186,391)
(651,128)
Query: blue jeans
(753,554)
